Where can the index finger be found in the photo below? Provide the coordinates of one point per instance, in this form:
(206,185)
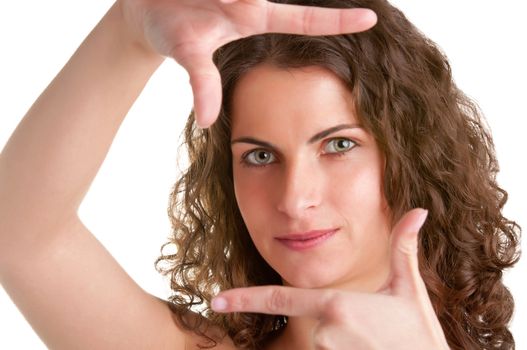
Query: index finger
(274,300)
(312,20)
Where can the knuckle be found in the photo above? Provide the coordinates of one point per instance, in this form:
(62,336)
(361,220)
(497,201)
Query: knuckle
(308,19)
(244,301)
(269,17)
(336,307)
(408,248)
(241,302)
(322,339)
(278,301)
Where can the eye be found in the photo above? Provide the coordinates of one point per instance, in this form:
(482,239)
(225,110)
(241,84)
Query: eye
(258,157)
(339,145)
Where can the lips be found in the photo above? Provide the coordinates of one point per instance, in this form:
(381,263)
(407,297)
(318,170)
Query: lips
(305,240)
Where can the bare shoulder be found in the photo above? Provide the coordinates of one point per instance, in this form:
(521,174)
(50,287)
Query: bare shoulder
(192,339)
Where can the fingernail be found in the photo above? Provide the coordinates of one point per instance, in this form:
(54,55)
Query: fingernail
(219,304)
(421,220)
(201,125)
(198,121)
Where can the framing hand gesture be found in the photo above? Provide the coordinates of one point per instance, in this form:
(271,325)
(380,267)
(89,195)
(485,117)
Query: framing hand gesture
(191,30)
(398,316)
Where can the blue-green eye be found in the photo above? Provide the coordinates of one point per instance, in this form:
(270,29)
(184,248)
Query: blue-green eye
(258,157)
(339,145)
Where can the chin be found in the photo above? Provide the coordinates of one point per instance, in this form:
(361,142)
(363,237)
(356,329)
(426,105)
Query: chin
(308,282)
(366,284)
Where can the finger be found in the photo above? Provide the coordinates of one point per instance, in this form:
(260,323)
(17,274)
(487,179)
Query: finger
(274,300)
(311,20)
(406,278)
(206,89)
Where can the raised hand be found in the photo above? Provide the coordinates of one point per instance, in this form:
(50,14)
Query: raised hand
(398,316)
(191,30)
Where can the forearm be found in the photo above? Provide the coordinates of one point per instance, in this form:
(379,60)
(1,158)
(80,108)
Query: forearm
(55,152)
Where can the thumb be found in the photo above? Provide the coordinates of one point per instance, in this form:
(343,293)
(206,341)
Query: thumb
(405,277)
(206,89)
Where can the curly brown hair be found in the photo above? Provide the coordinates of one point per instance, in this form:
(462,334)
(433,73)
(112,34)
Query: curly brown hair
(439,155)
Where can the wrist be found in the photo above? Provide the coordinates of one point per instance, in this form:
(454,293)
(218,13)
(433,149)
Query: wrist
(133,37)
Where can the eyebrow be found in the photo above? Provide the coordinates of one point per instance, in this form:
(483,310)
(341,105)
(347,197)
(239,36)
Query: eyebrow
(317,137)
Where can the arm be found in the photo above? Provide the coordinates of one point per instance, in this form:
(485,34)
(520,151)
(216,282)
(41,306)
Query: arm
(69,288)
(75,118)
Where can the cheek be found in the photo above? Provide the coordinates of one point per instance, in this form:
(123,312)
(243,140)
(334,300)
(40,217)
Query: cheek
(355,194)
(252,197)
(355,182)
(359,201)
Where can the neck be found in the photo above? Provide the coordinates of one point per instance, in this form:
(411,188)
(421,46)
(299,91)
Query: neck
(298,333)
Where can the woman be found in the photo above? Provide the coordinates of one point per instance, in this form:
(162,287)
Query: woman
(200,218)
(437,154)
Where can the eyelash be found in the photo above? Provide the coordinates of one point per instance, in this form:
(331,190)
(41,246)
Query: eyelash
(247,164)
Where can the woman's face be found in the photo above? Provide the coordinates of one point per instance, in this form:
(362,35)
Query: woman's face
(308,179)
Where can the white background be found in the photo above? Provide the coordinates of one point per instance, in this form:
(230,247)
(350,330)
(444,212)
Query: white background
(126,205)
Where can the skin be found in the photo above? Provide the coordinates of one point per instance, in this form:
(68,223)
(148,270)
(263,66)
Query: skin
(305,186)
(362,286)
(65,137)
(368,320)
(191,30)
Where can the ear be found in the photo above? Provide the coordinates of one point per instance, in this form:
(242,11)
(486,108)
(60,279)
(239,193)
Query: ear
(405,278)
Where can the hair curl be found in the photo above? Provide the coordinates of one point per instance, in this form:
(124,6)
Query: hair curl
(439,155)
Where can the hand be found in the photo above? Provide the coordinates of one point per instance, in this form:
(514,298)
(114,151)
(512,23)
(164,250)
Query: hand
(398,316)
(191,30)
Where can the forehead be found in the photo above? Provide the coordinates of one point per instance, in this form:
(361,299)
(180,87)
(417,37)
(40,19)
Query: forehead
(310,97)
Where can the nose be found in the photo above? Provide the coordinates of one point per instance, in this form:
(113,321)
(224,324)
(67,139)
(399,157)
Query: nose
(301,189)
